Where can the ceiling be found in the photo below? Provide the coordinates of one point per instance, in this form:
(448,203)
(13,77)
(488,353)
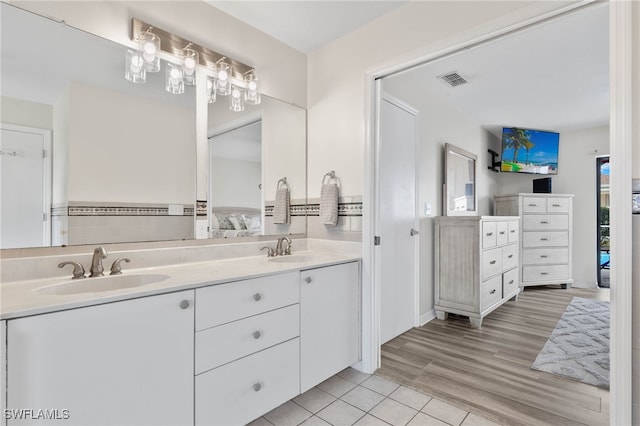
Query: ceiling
(306,25)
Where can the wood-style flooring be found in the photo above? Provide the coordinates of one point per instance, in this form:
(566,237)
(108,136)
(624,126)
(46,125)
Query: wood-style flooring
(487,371)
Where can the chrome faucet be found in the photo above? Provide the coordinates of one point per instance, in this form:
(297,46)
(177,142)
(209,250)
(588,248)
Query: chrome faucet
(96,263)
(78,269)
(279,250)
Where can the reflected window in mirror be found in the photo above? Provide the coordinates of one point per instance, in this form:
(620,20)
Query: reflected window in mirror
(460,196)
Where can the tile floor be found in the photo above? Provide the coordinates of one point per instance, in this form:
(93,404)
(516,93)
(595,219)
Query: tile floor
(355,398)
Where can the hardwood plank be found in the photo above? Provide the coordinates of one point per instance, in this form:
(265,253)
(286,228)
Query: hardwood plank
(487,371)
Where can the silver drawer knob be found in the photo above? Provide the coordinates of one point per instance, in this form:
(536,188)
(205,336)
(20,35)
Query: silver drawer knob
(308,280)
(492,291)
(511,282)
(510,256)
(257,297)
(184,304)
(489,234)
(256,334)
(493,262)
(257,387)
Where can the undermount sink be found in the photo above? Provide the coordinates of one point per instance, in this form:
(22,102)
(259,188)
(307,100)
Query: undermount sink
(297,258)
(100,284)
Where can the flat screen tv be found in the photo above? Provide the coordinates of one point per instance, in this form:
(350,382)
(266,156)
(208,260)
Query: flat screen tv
(529,151)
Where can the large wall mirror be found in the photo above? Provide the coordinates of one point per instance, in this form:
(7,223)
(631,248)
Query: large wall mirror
(460,195)
(120,158)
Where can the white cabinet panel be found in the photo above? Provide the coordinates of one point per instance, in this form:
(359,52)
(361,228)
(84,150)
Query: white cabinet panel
(329,322)
(239,392)
(546,272)
(545,255)
(489,238)
(545,222)
(510,283)
(534,205)
(491,262)
(491,292)
(509,257)
(3,366)
(545,239)
(120,363)
(502,229)
(558,205)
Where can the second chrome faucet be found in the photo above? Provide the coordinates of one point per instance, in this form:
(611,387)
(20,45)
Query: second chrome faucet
(96,270)
(279,250)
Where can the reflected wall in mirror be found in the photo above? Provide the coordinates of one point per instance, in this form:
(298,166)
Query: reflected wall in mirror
(122,157)
(460,196)
(249,152)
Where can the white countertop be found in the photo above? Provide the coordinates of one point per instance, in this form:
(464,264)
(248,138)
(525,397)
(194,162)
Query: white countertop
(20,298)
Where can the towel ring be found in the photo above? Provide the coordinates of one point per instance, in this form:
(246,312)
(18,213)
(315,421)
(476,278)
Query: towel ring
(331,175)
(283,183)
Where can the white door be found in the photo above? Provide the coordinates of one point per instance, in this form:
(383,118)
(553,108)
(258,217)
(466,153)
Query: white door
(396,221)
(25,187)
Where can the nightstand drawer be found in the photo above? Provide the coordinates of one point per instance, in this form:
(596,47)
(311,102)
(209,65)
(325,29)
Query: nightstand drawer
(534,205)
(545,239)
(514,231)
(510,283)
(558,205)
(490,292)
(489,234)
(545,222)
(542,273)
(545,256)
(220,345)
(491,262)
(509,257)
(502,229)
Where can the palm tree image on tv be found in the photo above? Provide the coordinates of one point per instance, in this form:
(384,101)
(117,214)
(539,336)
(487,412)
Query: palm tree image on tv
(541,151)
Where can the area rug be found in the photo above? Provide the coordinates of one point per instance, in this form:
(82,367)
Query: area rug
(578,347)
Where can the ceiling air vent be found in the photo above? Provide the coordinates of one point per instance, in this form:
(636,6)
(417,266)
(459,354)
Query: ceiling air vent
(453,79)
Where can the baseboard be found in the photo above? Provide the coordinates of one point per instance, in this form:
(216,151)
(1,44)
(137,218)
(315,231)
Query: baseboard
(425,318)
(584,285)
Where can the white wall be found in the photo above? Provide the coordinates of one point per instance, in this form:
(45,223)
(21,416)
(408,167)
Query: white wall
(128,149)
(282,69)
(576,175)
(236,184)
(25,113)
(337,73)
(61,128)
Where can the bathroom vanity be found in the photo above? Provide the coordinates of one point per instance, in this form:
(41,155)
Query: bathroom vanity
(223,351)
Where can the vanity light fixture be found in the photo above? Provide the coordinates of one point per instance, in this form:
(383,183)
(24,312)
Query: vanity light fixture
(225,76)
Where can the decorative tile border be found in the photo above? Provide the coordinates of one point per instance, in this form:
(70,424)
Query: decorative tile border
(294,210)
(116,211)
(201,208)
(352,209)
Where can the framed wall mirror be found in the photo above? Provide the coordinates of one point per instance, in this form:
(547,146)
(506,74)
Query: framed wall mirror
(121,166)
(459,191)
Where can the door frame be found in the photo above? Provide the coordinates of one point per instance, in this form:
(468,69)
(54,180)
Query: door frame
(46,173)
(620,65)
(416,221)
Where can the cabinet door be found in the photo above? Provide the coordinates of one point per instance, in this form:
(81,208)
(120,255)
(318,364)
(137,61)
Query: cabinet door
(123,363)
(3,366)
(329,322)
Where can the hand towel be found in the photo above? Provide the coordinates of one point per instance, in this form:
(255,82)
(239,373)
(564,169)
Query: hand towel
(329,204)
(281,206)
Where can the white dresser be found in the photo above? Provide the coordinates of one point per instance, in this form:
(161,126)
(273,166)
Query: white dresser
(546,236)
(476,265)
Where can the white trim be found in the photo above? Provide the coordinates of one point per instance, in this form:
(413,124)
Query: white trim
(620,32)
(620,127)
(47,178)
(427,317)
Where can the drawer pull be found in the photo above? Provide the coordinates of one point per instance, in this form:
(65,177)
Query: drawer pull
(256,334)
(501,232)
(544,239)
(257,387)
(533,205)
(544,273)
(184,304)
(557,205)
(510,256)
(489,234)
(492,291)
(544,256)
(513,231)
(308,280)
(511,282)
(493,262)
(544,222)
(257,297)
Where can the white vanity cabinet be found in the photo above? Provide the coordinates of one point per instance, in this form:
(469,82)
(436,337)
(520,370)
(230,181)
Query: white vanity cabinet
(3,371)
(329,322)
(121,363)
(247,348)
(546,236)
(476,265)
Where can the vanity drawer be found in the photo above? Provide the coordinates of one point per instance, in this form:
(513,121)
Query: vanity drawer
(545,239)
(489,236)
(542,222)
(514,228)
(510,283)
(558,205)
(509,257)
(490,292)
(220,304)
(239,392)
(503,230)
(491,262)
(534,205)
(546,272)
(545,256)
(220,345)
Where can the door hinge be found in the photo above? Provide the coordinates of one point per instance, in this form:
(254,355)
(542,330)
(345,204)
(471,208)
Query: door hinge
(376,241)
(44,153)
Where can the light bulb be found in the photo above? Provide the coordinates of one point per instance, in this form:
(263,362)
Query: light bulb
(235,93)
(189,63)
(253,86)
(175,74)
(223,76)
(136,64)
(149,48)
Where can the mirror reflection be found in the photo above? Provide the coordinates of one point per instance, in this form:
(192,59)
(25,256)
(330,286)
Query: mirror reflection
(460,182)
